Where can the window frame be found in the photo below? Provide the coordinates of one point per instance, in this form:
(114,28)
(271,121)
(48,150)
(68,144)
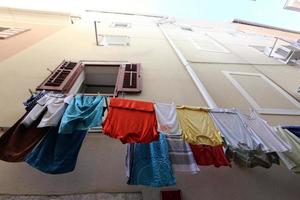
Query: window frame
(115,25)
(72,82)
(101,43)
(220,46)
(186,28)
(254,104)
(119,75)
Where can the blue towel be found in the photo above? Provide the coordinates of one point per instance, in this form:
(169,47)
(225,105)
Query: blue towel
(150,164)
(82,113)
(57,153)
(294,129)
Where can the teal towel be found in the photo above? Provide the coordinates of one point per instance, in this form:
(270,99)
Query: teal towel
(82,113)
(150,164)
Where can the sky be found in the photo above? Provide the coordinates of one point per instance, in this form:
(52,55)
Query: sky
(268,12)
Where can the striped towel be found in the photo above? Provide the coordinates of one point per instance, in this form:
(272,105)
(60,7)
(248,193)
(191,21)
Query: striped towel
(181,155)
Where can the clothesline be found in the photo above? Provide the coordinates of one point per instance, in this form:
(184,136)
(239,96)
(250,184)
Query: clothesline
(168,138)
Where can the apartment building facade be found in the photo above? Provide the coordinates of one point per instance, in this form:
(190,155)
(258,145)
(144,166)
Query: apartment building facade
(197,63)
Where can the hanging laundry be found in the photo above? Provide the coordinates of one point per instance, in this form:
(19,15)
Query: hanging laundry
(234,130)
(32,101)
(151,165)
(181,155)
(57,153)
(129,159)
(293,129)
(252,158)
(197,126)
(209,155)
(131,121)
(83,113)
(290,158)
(167,118)
(19,140)
(55,106)
(271,141)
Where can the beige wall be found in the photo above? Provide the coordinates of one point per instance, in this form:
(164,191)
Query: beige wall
(101,161)
(37,32)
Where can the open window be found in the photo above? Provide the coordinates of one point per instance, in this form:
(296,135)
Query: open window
(94,77)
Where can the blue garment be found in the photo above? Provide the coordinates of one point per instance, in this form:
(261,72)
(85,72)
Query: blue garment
(82,113)
(294,129)
(57,153)
(150,164)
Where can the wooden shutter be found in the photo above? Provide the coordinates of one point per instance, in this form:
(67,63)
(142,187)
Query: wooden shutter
(9,32)
(129,78)
(62,78)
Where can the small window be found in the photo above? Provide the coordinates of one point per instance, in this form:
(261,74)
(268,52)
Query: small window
(263,94)
(94,77)
(186,28)
(121,25)
(117,40)
(205,42)
(6,32)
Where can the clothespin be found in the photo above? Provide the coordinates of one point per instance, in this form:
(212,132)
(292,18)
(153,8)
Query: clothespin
(50,70)
(30,91)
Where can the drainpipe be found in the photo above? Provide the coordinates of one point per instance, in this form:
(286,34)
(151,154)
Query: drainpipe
(201,88)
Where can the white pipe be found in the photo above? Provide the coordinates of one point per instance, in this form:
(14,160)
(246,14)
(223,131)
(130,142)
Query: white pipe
(201,88)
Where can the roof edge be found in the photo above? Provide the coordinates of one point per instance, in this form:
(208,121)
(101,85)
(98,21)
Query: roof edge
(241,21)
(35,11)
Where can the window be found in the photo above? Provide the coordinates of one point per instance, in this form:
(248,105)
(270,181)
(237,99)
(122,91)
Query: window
(204,42)
(94,77)
(119,40)
(3,29)
(186,28)
(121,25)
(6,32)
(292,5)
(263,94)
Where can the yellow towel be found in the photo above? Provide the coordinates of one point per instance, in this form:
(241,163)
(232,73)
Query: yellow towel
(197,126)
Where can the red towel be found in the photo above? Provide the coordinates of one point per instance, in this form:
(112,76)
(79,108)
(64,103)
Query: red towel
(209,155)
(170,195)
(131,121)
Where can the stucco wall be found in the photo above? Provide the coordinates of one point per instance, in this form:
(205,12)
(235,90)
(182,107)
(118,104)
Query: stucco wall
(101,160)
(37,32)
(164,78)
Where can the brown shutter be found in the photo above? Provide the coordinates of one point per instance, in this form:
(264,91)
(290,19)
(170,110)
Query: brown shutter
(62,78)
(129,78)
(9,32)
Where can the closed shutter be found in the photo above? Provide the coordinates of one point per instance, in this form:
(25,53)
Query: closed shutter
(9,32)
(62,78)
(129,79)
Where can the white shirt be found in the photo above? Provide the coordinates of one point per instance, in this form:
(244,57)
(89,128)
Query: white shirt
(167,118)
(55,104)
